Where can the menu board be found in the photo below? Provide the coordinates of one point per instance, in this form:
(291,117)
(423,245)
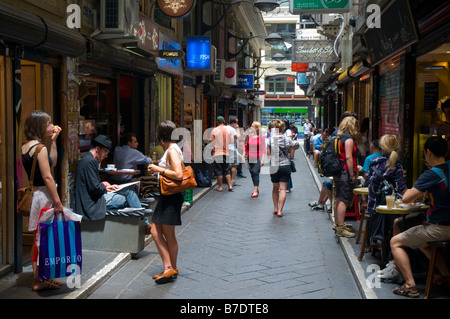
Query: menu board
(431,95)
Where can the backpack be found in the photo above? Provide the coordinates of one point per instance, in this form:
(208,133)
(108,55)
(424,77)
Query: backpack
(329,162)
(385,189)
(441,175)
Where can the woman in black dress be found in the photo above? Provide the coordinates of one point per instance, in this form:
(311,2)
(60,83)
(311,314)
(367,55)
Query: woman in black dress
(168,210)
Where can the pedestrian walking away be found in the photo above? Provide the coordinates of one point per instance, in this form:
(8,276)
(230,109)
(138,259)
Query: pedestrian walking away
(168,210)
(255,150)
(221,137)
(280,150)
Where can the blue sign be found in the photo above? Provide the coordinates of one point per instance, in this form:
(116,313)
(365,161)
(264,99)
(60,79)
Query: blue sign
(198,53)
(169,65)
(244,82)
(302,79)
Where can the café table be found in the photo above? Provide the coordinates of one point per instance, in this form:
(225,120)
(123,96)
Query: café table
(105,174)
(403,210)
(121,172)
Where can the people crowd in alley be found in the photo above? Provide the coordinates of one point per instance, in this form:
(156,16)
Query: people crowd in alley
(379,167)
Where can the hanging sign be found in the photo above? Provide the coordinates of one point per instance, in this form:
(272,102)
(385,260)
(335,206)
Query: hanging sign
(173,66)
(299,67)
(176,8)
(230,73)
(244,82)
(398,32)
(198,53)
(319,6)
(314,51)
(302,79)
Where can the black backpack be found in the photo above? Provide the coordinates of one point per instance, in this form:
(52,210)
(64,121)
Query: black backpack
(329,162)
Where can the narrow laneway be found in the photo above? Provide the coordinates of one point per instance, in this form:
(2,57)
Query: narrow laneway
(232,246)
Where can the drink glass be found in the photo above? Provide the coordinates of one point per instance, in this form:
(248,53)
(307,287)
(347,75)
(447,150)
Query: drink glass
(397,203)
(390,199)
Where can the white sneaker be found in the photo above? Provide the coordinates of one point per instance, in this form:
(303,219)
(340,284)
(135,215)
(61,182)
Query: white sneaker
(391,276)
(312,204)
(389,266)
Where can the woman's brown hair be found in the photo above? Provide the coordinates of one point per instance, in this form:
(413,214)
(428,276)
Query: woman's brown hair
(35,127)
(165,130)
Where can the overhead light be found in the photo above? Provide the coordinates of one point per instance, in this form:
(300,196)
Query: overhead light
(278,57)
(281,68)
(436,67)
(266,6)
(274,39)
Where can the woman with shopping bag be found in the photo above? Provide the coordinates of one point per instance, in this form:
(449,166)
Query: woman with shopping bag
(38,126)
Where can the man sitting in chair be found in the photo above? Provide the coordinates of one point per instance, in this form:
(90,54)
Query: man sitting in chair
(92,197)
(128,156)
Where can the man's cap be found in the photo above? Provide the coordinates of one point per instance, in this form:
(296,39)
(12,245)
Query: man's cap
(102,141)
(220,118)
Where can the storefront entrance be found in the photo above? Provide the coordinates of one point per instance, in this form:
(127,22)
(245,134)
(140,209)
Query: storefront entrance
(432,87)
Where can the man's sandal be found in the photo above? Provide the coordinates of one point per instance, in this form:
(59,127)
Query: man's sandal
(412,291)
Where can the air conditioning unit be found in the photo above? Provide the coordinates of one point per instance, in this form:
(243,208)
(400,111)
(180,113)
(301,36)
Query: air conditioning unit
(219,77)
(120,18)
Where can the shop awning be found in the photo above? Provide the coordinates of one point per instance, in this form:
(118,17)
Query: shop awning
(28,29)
(102,53)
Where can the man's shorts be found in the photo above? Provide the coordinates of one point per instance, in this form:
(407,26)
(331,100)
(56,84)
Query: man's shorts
(328,184)
(343,187)
(280,174)
(220,166)
(419,235)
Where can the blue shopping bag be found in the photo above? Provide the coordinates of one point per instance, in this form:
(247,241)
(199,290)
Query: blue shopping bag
(60,251)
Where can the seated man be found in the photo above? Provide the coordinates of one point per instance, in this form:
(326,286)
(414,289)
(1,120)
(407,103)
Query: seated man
(318,143)
(375,150)
(92,197)
(127,156)
(325,194)
(436,182)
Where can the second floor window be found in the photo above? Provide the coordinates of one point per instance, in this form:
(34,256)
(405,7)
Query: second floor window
(280,85)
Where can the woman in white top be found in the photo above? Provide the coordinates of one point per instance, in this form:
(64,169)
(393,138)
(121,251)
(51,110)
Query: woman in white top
(168,210)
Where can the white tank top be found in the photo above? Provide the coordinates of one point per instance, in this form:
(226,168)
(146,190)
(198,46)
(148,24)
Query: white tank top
(162,161)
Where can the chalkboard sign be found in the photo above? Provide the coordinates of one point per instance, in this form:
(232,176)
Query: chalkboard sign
(431,95)
(397,32)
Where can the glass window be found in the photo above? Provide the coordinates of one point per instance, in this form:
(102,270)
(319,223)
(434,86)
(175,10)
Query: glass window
(280,85)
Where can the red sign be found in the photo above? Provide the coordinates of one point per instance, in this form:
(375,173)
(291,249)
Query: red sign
(299,67)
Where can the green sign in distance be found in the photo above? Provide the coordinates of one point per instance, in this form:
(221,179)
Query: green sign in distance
(319,6)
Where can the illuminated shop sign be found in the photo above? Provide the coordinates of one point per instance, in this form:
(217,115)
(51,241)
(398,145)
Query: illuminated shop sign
(170,65)
(198,53)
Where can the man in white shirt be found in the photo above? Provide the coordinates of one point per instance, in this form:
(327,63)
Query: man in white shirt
(307,127)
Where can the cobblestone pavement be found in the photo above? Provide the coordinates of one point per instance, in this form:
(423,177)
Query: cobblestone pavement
(231,246)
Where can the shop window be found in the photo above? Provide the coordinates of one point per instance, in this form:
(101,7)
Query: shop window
(280,85)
